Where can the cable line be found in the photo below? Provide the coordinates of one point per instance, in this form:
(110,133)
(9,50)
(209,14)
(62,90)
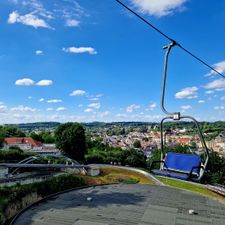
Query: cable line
(169,38)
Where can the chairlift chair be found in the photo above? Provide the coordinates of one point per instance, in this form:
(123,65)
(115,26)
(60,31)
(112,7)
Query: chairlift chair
(179,165)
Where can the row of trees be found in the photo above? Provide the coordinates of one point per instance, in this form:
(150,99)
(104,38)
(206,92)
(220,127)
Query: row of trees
(46,137)
(70,138)
(9,131)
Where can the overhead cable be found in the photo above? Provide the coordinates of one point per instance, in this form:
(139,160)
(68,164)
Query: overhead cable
(169,38)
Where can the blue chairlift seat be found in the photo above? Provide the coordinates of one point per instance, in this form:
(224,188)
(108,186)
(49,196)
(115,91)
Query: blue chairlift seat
(181,166)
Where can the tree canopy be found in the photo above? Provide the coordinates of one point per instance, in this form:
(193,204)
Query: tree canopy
(70,139)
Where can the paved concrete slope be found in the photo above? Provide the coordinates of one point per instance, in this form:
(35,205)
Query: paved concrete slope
(126,204)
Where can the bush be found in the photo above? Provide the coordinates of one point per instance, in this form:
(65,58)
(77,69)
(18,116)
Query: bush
(13,154)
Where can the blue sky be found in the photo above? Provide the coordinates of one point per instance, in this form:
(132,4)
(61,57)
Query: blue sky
(67,60)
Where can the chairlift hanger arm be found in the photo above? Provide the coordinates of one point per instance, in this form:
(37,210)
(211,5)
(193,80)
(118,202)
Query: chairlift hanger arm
(168,49)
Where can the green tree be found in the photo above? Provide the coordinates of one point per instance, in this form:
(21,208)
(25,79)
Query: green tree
(215,171)
(36,137)
(137,144)
(70,139)
(10,131)
(48,137)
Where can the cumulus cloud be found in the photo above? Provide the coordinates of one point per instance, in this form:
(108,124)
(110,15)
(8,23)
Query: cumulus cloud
(54,101)
(50,109)
(185,107)
(39,52)
(104,114)
(22,108)
(28,19)
(30,82)
(44,83)
(60,109)
(121,115)
(220,67)
(189,93)
(3,109)
(218,84)
(158,8)
(95,105)
(80,50)
(78,93)
(94,99)
(88,110)
(24,82)
(41,99)
(210,92)
(153,106)
(220,107)
(132,108)
(72,23)
(201,101)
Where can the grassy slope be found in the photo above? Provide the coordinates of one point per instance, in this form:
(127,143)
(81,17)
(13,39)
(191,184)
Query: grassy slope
(112,175)
(190,187)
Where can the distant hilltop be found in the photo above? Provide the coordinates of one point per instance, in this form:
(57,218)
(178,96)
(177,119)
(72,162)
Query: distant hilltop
(36,126)
(39,126)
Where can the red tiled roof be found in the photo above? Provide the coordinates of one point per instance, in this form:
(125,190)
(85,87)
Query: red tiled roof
(28,141)
(184,140)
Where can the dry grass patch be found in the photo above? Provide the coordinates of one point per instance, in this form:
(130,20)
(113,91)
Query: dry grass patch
(112,175)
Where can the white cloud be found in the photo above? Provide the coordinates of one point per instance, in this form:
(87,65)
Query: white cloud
(54,101)
(220,67)
(41,99)
(210,92)
(220,89)
(216,84)
(222,98)
(80,105)
(72,23)
(220,107)
(95,105)
(158,8)
(88,110)
(44,83)
(78,93)
(29,97)
(28,19)
(104,114)
(99,95)
(185,107)
(189,93)
(121,115)
(79,50)
(201,101)
(34,6)
(30,82)
(56,109)
(22,108)
(153,106)
(24,82)
(3,109)
(132,108)
(50,109)
(39,52)
(61,109)
(93,99)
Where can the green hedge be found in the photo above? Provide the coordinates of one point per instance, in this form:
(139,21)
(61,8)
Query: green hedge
(13,155)
(12,195)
